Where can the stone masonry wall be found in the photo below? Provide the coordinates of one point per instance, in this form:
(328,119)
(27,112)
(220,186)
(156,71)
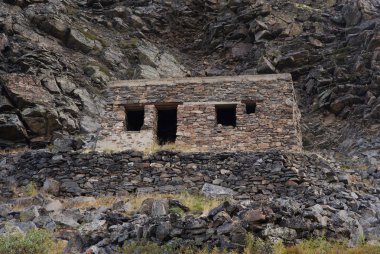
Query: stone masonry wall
(274,125)
(254,175)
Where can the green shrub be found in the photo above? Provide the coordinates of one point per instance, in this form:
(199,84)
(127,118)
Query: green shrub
(31,189)
(255,245)
(34,242)
(176,210)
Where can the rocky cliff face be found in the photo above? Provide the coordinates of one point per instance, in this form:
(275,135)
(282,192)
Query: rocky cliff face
(57,56)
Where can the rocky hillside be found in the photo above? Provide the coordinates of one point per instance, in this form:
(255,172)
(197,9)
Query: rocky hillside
(57,56)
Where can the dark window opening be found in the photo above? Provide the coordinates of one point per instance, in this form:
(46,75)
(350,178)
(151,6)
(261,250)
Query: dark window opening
(135,119)
(250,108)
(166,125)
(226,115)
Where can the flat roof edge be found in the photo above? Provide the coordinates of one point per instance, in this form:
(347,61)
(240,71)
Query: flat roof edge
(213,79)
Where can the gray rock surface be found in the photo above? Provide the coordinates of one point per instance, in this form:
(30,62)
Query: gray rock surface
(215,191)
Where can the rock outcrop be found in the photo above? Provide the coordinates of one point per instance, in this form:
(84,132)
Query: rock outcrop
(329,47)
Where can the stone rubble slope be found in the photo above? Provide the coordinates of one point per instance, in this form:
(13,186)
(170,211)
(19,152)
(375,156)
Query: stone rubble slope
(285,197)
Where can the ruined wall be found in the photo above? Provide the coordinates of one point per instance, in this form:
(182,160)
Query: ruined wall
(274,125)
(254,175)
(114,136)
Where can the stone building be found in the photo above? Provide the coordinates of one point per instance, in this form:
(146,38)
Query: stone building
(238,113)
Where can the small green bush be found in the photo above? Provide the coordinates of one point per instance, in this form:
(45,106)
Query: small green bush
(255,245)
(141,248)
(34,242)
(31,189)
(176,210)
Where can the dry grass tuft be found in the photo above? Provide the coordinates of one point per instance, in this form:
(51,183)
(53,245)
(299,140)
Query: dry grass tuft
(197,203)
(11,151)
(105,201)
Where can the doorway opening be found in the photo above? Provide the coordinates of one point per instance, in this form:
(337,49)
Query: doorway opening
(166,125)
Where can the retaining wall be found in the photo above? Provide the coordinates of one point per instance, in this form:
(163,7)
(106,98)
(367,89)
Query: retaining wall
(254,175)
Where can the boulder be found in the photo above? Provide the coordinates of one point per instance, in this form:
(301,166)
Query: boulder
(55,27)
(160,207)
(165,63)
(65,219)
(86,99)
(275,233)
(113,56)
(97,73)
(11,128)
(10,228)
(89,124)
(121,206)
(179,204)
(51,85)
(254,216)
(265,66)
(66,85)
(241,50)
(374,43)
(263,35)
(71,187)
(146,206)
(29,214)
(35,119)
(93,228)
(51,186)
(4,43)
(215,191)
(45,222)
(54,205)
(148,72)
(163,231)
(26,226)
(5,104)
(221,218)
(351,13)
(77,40)
(25,90)
(375,113)
(69,123)
(40,120)
(347,100)
(5,209)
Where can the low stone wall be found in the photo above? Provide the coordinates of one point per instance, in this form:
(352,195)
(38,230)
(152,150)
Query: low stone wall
(254,175)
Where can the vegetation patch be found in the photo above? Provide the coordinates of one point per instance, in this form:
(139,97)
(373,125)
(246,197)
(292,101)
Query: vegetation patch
(154,148)
(101,67)
(98,202)
(255,246)
(306,7)
(31,189)
(198,204)
(34,242)
(131,43)
(342,54)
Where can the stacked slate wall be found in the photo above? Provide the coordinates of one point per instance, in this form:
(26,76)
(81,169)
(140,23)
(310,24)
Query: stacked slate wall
(254,175)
